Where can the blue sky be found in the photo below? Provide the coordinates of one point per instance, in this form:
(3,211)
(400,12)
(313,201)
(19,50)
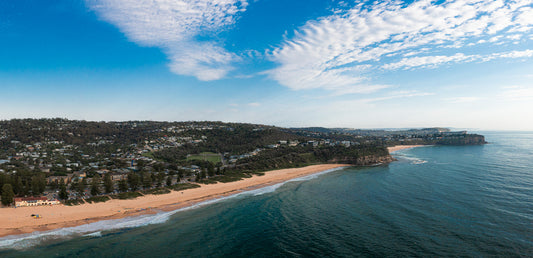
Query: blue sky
(362,64)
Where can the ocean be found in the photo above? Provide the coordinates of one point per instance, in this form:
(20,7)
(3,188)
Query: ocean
(434,201)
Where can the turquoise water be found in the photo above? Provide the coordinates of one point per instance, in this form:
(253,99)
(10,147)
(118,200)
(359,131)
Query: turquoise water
(434,201)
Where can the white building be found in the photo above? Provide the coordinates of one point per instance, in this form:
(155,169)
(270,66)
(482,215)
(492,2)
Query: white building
(33,201)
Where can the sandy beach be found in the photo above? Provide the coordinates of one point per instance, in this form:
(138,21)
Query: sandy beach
(19,221)
(402,147)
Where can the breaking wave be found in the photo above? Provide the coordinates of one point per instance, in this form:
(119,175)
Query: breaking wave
(95,229)
(411,159)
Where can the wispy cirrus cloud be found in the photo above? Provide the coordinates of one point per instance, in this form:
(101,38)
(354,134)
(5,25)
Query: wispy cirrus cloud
(175,26)
(518,93)
(514,54)
(462,99)
(435,61)
(397,95)
(428,61)
(338,51)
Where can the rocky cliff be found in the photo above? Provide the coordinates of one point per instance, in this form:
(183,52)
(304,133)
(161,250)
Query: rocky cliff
(364,160)
(465,139)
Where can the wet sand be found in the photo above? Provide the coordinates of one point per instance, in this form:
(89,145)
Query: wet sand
(19,221)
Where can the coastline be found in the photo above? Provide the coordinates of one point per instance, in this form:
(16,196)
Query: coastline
(402,147)
(16,221)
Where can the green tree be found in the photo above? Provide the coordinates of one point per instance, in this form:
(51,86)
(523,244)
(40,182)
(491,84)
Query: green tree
(140,164)
(34,186)
(80,187)
(18,187)
(147,180)
(158,167)
(173,167)
(169,180)
(123,185)
(95,185)
(7,194)
(41,182)
(160,178)
(108,183)
(63,194)
(4,179)
(74,184)
(26,189)
(134,181)
(54,185)
(210,170)
(197,178)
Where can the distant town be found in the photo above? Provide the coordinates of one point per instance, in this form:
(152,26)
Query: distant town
(52,161)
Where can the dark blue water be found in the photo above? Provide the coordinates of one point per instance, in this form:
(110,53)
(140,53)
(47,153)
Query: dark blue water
(434,201)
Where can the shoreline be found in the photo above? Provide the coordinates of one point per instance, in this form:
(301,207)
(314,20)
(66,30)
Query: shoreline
(403,147)
(17,221)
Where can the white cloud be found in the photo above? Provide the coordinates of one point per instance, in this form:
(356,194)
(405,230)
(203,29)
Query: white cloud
(518,93)
(397,95)
(327,53)
(254,104)
(462,99)
(495,39)
(434,61)
(174,26)
(427,61)
(514,54)
(515,37)
(524,18)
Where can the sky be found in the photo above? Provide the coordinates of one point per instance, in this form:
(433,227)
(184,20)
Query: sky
(292,63)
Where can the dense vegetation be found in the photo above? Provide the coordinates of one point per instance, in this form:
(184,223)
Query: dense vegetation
(79,161)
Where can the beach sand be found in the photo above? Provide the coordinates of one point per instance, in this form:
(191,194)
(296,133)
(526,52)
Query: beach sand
(402,147)
(15,221)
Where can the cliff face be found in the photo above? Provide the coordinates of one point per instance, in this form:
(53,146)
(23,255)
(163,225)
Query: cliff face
(374,159)
(467,139)
(364,160)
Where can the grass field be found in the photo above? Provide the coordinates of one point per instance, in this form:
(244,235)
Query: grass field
(207,156)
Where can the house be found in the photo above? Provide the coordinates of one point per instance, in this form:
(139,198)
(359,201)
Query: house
(79,174)
(118,177)
(314,143)
(33,201)
(102,171)
(57,179)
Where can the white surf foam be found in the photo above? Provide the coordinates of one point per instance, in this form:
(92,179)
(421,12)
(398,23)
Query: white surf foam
(412,159)
(273,188)
(95,234)
(95,229)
